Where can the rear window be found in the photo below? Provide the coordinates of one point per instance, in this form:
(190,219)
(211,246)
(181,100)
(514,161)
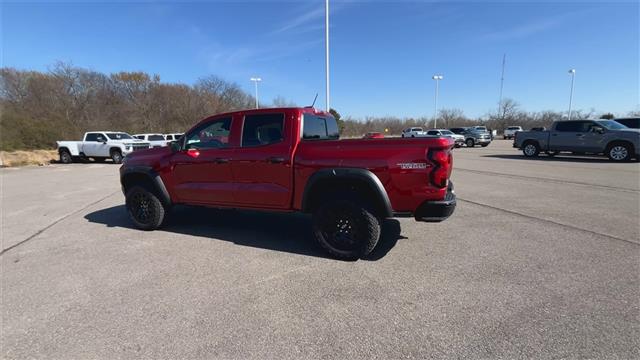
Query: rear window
(262,129)
(317,127)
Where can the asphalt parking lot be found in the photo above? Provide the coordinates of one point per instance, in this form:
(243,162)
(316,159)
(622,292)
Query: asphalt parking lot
(541,259)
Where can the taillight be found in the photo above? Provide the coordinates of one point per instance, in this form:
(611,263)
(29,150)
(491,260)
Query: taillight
(442,160)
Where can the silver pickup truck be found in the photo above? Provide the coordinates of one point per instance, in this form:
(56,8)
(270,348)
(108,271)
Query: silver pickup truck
(606,137)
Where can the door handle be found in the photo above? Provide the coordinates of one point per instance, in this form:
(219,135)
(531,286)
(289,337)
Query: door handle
(275,160)
(220,160)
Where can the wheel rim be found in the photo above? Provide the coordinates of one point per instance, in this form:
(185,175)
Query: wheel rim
(140,207)
(340,229)
(530,150)
(116,157)
(65,157)
(618,153)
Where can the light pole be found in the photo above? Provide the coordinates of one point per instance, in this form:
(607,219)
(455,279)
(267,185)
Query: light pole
(437,78)
(255,81)
(572,72)
(326,52)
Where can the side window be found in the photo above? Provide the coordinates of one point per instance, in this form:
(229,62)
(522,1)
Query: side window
(262,129)
(433,132)
(210,135)
(319,128)
(169,137)
(569,126)
(92,137)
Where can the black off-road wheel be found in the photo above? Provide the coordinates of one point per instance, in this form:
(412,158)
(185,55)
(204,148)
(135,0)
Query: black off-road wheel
(145,208)
(116,156)
(470,143)
(345,229)
(65,157)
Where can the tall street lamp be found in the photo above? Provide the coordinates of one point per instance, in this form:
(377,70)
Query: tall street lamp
(326,52)
(572,72)
(255,81)
(437,78)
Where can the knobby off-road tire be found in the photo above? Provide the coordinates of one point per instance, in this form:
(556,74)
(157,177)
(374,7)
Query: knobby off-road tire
(65,157)
(145,208)
(345,228)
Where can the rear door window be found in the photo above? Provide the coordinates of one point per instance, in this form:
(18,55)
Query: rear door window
(262,129)
(572,126)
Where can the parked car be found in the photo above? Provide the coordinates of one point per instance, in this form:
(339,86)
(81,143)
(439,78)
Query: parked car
(511,131)
(290,159)
(100,145)
(457,139)
(473,136)
(172,137)
(413,132)
(541,128)
(632,123)
(155,140)
(607,137)
(373,135)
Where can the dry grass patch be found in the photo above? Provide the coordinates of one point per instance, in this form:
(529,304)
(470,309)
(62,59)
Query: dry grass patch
(28,157)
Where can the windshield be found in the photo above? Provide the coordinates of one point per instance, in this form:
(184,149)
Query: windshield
(119,136)
(611,125)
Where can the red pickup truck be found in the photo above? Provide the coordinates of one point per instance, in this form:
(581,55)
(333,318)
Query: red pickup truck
(290,159)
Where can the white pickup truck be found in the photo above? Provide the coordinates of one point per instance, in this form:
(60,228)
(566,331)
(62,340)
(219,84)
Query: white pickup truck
(414,132)
(100,145)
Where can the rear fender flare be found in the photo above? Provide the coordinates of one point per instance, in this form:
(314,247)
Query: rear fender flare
(332,174)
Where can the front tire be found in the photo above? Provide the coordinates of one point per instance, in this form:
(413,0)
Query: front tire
(145,208)
(619,152)
(116,156)
(470,143)
(65,157)
(531,149)
(345,229)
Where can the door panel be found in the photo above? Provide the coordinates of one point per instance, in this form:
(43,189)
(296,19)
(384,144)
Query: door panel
(205,178)
(202,170)
(569,137)
(262,166)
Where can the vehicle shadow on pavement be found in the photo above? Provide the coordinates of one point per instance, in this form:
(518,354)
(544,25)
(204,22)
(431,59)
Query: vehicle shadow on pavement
(273,231)
(557,158)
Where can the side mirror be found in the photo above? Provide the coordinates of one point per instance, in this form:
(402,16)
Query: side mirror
(175,146)
(597,129)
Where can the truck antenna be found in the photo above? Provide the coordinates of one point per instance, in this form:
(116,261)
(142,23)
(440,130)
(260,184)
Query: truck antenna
(314,101)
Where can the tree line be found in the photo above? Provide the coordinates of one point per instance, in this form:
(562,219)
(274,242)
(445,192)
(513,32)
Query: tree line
(38,108)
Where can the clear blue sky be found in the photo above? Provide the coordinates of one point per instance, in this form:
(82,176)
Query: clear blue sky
(383,53)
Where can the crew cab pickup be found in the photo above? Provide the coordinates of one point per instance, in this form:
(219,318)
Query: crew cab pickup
(291,160)
(606,137)
(100,145)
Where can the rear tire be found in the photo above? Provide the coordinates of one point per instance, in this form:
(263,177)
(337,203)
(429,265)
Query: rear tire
(116,156)
(145,208)
(65,157)
(345,229)
(531,149)
(619,152)
(470,143)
